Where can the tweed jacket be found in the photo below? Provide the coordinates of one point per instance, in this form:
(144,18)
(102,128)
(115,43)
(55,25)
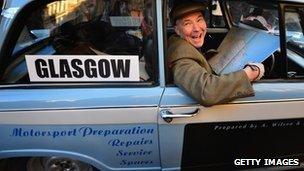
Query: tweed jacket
(191,72)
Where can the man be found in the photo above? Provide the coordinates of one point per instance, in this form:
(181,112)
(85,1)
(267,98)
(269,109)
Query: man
(191,71)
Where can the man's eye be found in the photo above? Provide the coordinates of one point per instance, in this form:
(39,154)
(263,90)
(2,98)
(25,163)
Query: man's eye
(200,20)
(186,23)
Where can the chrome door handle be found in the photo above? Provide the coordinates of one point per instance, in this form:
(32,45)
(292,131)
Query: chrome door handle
(167,115)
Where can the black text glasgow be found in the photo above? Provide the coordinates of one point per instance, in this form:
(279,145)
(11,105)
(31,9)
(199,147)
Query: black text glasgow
(77,68)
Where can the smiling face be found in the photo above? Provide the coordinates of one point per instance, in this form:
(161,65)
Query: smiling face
(192,28)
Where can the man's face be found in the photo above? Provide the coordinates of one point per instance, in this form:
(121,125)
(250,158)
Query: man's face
(192,28)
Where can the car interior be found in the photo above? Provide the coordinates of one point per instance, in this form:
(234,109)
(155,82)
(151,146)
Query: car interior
(87,30)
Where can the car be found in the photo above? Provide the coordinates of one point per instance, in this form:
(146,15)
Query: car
(84,86)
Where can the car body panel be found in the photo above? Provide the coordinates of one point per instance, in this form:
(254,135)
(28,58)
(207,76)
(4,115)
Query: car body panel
(208,118)
(78,98)
(95,142)
(280,91)
(73,115)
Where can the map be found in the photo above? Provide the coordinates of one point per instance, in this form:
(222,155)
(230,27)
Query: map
(242,46)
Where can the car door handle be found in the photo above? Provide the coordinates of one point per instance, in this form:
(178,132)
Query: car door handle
(167,115)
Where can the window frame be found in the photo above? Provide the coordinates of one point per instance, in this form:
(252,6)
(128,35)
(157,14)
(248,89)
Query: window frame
(282,12)
(166,27)
(224,17)
(294,9)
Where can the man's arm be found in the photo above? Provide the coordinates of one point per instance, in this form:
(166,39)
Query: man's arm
(209,89)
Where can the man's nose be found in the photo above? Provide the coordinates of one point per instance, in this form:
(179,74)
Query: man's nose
(199,27)
(196,27)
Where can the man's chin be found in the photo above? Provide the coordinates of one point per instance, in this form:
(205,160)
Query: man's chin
(198,44)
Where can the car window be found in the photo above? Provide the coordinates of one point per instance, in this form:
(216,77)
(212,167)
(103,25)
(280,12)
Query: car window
(217,15)
(294,42)
(214,19)
(263,16)
(120,34)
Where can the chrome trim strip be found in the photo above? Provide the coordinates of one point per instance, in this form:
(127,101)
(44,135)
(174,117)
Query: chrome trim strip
(86,117)
(238,102)
(266,101)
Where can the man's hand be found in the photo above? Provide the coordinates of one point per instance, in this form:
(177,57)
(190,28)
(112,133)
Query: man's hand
(254,71)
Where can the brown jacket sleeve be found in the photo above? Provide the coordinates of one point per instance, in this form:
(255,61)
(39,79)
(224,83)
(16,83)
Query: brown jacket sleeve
(209,89)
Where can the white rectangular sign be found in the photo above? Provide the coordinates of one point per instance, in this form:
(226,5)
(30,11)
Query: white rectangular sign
(82,68)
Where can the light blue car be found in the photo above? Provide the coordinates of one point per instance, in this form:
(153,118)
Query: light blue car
(84,86)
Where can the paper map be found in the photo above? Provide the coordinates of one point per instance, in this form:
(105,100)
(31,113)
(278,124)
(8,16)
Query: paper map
(242,46)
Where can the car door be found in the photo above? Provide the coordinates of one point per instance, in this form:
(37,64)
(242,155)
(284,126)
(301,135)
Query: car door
(267,126)
(109,124)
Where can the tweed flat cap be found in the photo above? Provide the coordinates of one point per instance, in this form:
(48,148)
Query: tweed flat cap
(182,9)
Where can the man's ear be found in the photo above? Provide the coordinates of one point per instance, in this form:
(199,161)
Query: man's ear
(177,31)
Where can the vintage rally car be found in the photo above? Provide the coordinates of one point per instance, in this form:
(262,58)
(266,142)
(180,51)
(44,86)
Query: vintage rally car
(84,86)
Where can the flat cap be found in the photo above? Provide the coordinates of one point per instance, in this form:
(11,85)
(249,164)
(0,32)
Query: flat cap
(180,10)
